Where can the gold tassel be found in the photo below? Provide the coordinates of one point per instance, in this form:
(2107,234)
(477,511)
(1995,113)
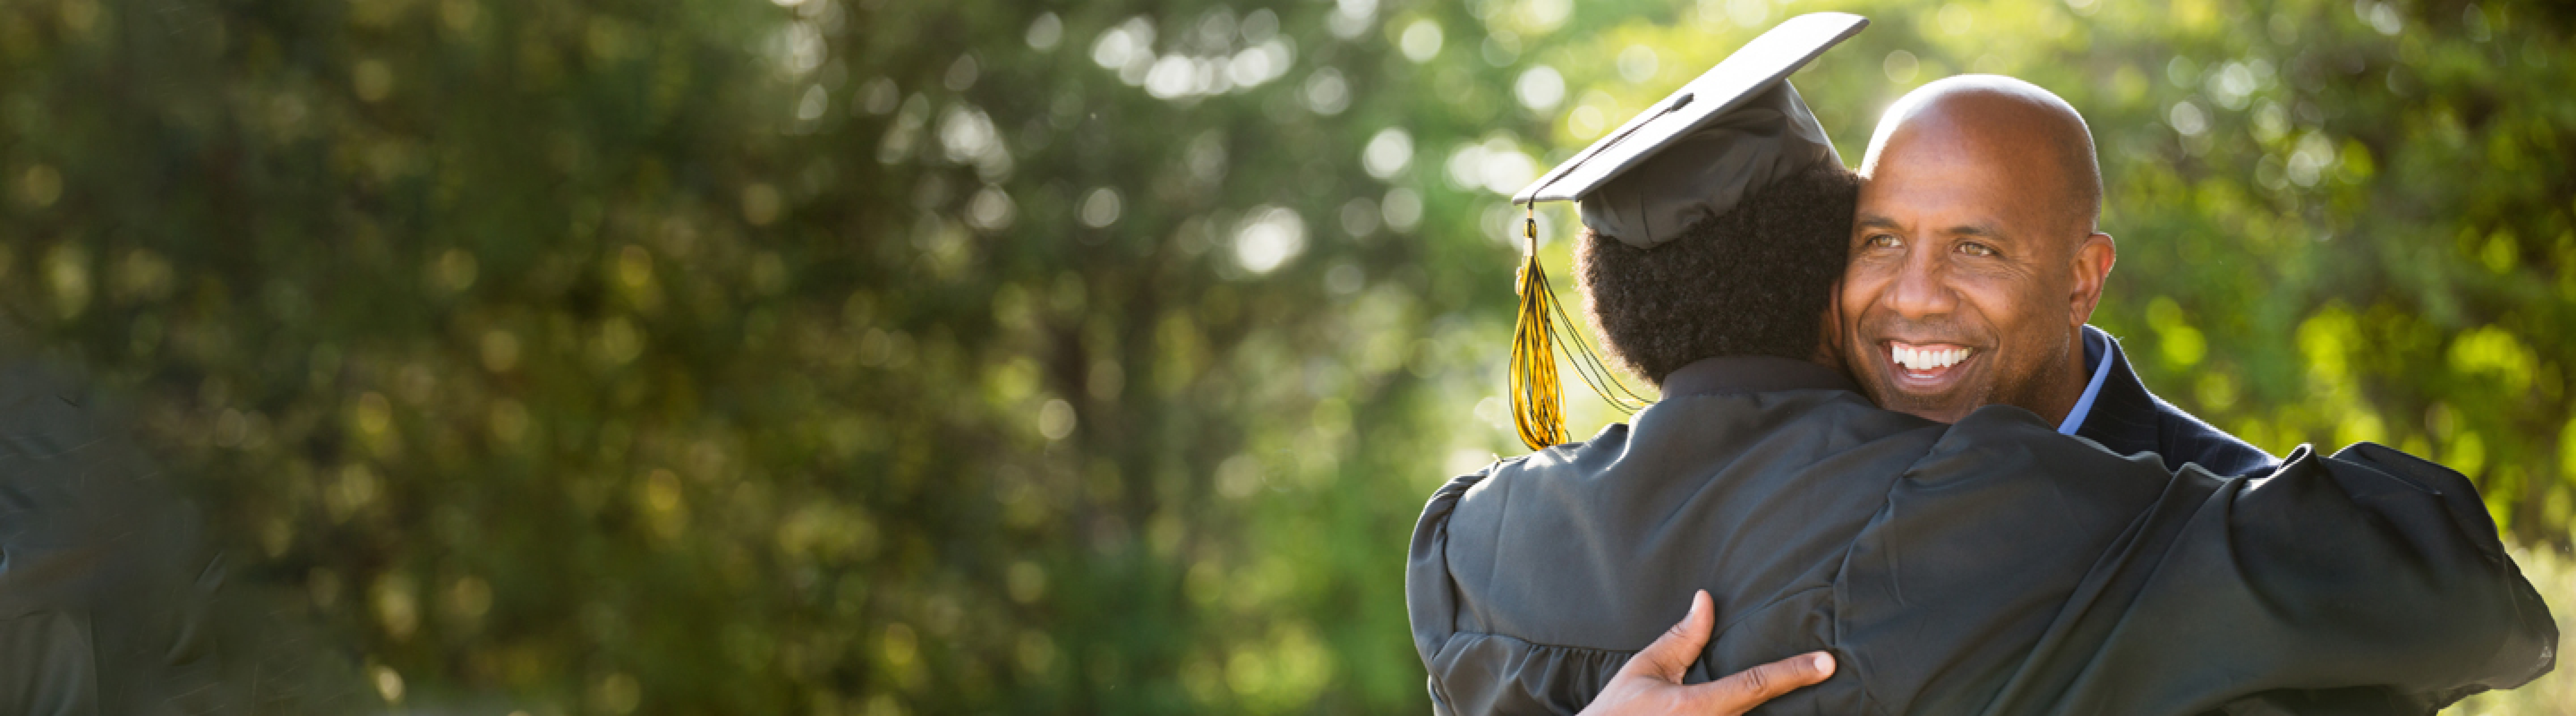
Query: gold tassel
(1537,395)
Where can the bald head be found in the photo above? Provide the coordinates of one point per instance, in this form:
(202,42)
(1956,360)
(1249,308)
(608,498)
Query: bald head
(1975,256)
(2005,122)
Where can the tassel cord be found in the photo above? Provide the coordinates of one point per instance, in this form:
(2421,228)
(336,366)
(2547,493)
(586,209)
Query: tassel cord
(1536,391)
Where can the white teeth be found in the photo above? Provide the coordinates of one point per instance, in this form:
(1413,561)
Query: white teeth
(1928,359)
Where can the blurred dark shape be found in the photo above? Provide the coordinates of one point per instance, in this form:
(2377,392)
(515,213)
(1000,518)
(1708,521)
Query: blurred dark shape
(111,599)
(105,580)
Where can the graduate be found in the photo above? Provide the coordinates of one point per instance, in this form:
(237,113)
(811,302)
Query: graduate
(1992,565)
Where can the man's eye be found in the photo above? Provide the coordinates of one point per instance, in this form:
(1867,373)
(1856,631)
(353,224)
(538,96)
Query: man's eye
(1882,241)
(1972,248)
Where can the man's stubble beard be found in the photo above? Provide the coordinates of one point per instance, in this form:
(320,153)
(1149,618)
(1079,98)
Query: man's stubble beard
(2037,394)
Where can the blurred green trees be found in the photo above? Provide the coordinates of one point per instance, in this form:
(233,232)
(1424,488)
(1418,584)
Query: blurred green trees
(869,356)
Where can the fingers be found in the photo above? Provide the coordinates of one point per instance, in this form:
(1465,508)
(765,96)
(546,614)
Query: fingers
(1751,687)
(1654,675)
(1671,654)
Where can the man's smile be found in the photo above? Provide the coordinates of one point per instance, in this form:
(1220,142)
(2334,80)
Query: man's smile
(1922,368)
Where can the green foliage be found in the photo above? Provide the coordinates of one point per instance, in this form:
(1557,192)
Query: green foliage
(862,356)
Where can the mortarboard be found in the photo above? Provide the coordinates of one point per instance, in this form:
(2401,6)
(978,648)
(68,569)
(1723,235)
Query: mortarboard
(1691,157)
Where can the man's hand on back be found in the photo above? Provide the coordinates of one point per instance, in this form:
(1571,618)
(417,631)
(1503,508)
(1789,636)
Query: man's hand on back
(1651,682)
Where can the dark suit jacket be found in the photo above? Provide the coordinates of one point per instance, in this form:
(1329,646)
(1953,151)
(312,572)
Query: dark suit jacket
(2129,420)
(1991,566)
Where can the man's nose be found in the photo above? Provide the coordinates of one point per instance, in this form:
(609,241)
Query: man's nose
(1921,288)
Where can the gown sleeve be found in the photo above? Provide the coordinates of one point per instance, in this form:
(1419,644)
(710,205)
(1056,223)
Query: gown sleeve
(1474,671)
(2369,577)
(1430,601)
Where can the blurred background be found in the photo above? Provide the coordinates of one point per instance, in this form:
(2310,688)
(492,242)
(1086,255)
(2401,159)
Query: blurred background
(885,356)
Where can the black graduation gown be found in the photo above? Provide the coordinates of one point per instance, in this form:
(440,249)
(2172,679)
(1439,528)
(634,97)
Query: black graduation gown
(1991,566)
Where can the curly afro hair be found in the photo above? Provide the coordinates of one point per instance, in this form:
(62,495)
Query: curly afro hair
(1756,280)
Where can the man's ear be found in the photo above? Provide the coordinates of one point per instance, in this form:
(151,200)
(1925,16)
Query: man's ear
(2092,266)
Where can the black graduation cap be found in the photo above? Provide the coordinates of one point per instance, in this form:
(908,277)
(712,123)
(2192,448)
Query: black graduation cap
(1693,156)
(1727,134)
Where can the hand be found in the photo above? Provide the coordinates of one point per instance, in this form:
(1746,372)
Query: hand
(1651,682)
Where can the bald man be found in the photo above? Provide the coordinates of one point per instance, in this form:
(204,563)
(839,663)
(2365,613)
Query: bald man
(1977,259)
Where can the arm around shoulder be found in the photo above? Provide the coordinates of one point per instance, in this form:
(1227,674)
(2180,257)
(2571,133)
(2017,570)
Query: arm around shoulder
(2367,570)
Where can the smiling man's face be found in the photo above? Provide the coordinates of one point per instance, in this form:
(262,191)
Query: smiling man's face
(1971,272)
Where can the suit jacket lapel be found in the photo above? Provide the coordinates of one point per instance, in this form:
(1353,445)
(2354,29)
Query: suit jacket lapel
(2124,414)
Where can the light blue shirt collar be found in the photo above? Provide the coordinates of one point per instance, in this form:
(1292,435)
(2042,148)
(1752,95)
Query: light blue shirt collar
(2097,355)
